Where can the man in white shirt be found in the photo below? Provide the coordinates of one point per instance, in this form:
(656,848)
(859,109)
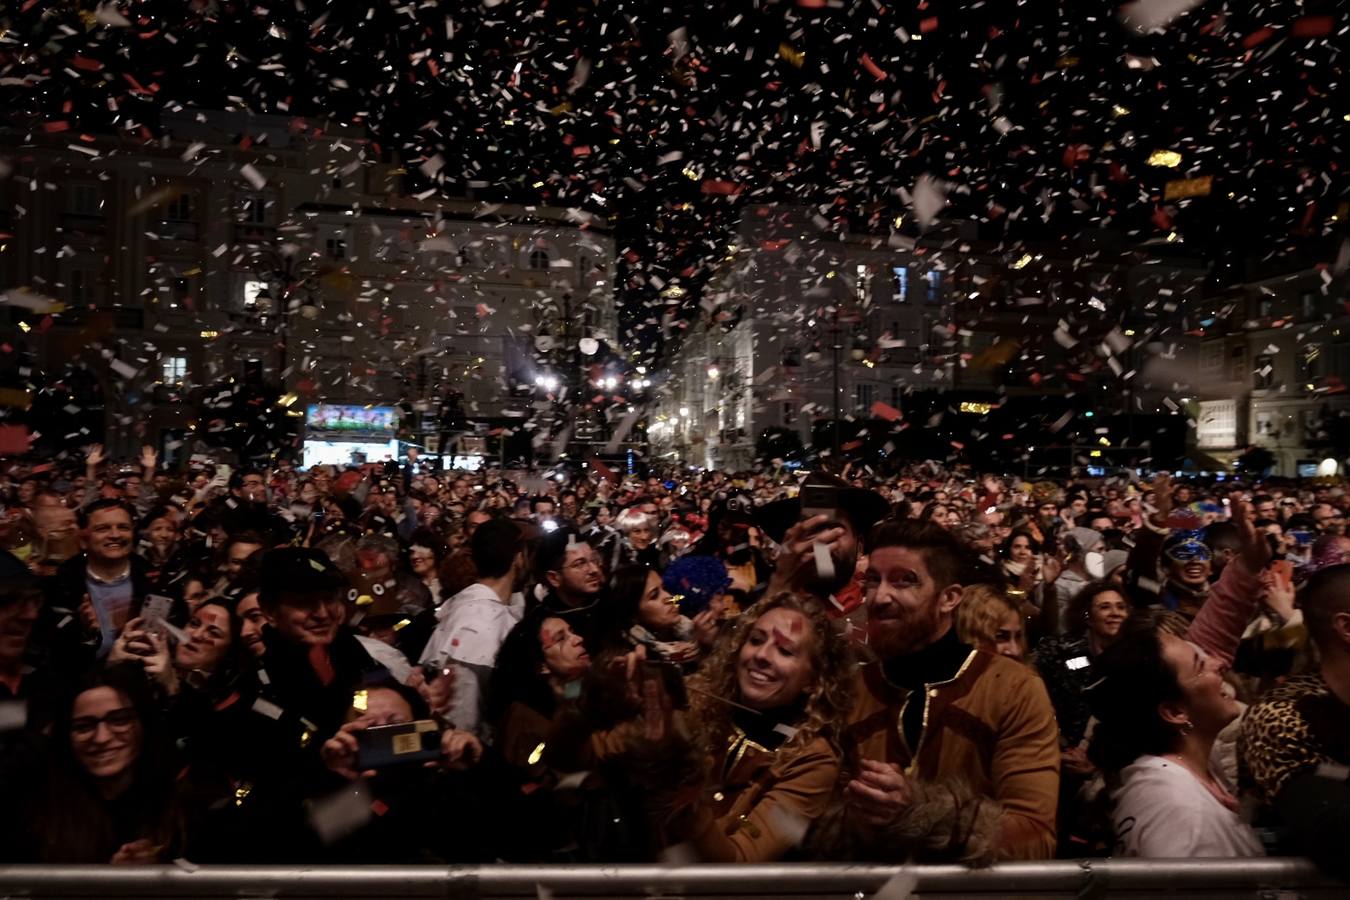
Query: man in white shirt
(473,623)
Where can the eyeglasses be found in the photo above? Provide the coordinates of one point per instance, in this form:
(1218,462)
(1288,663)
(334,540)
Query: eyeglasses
(577,565)
(119,722)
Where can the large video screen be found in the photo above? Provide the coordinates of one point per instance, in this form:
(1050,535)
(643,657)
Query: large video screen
(352,419)
(348,453)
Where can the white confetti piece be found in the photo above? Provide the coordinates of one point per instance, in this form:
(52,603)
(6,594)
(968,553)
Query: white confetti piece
(1144,16)
(900,887)
(13,715)
(107,14)
(338,815)
(267,708)
(123,370)
(929,200)
(253,176)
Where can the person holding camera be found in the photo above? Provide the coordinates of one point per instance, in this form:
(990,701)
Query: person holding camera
(412,789)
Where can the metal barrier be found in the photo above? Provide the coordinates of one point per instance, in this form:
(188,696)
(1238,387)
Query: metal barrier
(1217,878)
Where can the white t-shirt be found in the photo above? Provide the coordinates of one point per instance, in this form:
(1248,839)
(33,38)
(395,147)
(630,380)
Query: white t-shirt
(470,630)
(1162,811)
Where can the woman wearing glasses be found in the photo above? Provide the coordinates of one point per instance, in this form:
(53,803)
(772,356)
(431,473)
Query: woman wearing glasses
(109,794)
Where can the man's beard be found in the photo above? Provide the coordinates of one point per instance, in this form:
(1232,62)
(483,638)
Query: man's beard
(843,573)
(902,635)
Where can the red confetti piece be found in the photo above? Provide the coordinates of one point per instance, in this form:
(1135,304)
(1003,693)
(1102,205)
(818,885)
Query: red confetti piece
(1257,37)
(885,411)
(929,24)
(872,67)
(379,807)
(54,127)
(1314,26)
(715,186)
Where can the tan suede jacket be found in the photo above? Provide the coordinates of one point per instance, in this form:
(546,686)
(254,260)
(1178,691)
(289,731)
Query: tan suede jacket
(985,773)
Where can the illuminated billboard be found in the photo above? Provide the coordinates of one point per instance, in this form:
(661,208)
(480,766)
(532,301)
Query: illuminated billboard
(353,420)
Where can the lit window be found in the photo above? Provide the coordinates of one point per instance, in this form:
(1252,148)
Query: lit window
(173,370)
(863,283)
(251,291)
(901,284)
(934,279)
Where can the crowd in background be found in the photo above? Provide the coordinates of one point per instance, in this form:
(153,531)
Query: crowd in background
(390,663)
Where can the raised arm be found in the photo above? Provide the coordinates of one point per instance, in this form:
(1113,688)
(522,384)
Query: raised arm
(1234,599)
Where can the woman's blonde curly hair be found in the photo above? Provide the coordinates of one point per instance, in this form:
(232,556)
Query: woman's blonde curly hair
(828,700)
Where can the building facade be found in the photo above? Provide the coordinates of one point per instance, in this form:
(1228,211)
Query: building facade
(802,328)
(242,246)
(1269,368)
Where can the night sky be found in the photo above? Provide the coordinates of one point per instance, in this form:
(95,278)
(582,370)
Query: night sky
(1036,120)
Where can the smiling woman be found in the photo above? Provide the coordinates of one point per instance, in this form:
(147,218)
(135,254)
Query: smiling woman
(766,712)
(109,793)
(1161,704)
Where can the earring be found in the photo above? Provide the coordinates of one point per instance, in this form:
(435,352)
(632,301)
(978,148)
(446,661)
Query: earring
(1185,728)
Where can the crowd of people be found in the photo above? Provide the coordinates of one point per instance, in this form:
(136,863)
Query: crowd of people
(392,663)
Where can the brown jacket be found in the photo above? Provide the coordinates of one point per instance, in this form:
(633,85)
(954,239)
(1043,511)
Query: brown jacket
(763,806)
(985,773)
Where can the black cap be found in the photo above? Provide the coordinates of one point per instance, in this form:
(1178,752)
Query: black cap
(15,577)
(862,507)
(300,572)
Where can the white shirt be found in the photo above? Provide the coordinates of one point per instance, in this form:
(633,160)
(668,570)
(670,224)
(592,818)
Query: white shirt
(471,627)
(1161,810)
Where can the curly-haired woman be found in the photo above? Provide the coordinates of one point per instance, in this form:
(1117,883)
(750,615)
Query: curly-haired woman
(766,712)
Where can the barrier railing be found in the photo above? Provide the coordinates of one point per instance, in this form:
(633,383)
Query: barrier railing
(1263,878)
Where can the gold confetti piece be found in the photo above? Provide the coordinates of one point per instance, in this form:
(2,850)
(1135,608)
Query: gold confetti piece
(791,54)
(1164,158)
(360,700)
(1188,187)
(536,755)
(241,793)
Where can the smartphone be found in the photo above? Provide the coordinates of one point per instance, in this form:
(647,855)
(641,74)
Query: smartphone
(389,745)
(155,610)
(819,499)
(1302,538)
